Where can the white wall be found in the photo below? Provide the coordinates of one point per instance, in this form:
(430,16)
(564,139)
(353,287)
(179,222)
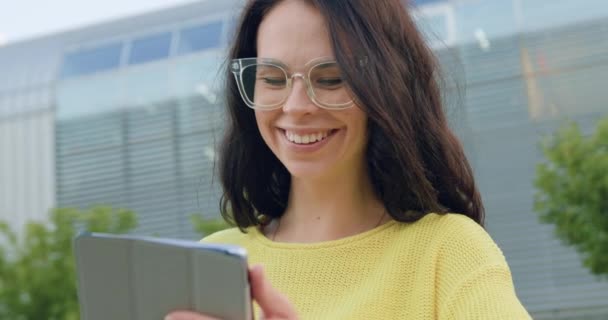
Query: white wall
(27,167)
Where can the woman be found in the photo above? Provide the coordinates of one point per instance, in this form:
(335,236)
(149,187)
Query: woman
(339,169)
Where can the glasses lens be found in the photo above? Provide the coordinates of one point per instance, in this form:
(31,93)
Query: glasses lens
(328,85)
(265,85)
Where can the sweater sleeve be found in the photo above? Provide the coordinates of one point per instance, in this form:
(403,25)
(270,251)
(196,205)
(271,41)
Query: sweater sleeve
(473,278)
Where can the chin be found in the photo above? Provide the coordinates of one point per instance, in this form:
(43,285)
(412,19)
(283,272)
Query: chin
(307,170)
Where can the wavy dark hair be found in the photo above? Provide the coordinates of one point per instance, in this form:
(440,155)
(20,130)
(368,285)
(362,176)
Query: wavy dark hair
(416,163)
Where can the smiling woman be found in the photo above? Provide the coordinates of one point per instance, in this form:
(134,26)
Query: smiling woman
(342,175)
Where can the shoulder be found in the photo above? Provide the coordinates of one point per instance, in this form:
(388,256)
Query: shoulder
(470,271)
(448,222)
(228,236)
(454,240)
(465,238)
(456,229)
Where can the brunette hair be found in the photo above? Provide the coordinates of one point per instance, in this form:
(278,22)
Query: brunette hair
(416,163)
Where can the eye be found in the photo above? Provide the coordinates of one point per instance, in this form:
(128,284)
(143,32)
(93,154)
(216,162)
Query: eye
(330,82)
(273,81)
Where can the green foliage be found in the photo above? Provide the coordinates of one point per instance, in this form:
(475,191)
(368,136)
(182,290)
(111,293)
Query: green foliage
(572,192)
(37,268)
(205,227)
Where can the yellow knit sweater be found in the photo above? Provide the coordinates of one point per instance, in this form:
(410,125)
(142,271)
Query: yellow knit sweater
(441,267)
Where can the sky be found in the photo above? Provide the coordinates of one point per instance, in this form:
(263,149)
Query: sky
(25,19)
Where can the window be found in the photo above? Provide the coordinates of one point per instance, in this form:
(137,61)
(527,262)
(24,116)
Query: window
(200,38)
(424,2)
(91,60)
(150,48)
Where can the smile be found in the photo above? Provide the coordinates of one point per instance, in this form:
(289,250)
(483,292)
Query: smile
(308,138)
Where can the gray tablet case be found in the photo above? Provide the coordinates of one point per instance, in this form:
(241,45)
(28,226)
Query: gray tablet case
(135,278)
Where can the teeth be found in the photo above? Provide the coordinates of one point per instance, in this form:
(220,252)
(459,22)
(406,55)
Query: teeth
(307,138)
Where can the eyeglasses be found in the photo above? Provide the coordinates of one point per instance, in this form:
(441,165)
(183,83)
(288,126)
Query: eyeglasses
(265,84)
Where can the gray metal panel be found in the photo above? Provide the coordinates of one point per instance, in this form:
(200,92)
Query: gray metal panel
(157,163)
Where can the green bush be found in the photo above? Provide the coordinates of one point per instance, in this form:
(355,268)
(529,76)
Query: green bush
(37,268)
(572,192)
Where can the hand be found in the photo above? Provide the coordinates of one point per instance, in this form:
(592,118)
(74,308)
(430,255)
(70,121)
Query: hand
(274,305)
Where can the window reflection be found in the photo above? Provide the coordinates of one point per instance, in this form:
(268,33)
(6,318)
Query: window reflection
(200,38)
(92,60)
(91,95)
(150,48)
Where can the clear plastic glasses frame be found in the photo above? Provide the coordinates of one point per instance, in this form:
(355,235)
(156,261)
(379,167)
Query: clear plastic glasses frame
(282,90)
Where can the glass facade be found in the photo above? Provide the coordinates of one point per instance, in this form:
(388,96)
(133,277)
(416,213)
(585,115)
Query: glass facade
(142,136)
(150,48)
(199,38)
(141,133)
(92,60)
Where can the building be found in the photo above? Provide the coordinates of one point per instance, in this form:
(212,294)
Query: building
(126,113)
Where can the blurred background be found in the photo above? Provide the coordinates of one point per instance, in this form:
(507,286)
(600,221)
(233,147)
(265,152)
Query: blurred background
(116,104)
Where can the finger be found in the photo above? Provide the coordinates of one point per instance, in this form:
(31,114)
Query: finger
(187,315)
(273,303)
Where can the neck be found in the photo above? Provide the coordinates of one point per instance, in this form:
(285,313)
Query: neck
(329,208)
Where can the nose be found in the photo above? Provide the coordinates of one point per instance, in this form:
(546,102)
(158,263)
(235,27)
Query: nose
(298,101)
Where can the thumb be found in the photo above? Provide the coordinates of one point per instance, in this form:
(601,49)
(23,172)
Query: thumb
(274,304)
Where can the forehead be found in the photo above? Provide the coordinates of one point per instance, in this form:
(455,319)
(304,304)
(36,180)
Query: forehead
(294,32)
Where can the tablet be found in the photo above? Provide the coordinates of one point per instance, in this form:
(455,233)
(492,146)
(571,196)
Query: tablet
(141,278)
